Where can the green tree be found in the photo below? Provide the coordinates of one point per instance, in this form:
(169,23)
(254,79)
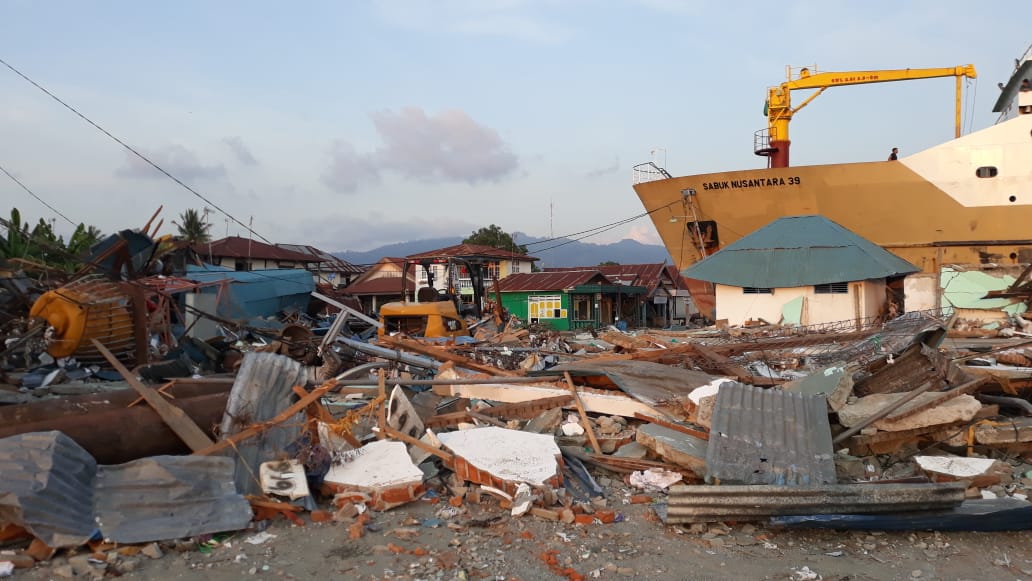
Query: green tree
(192,227)
(83,238)
(15,244)
(608,263)
(495,237)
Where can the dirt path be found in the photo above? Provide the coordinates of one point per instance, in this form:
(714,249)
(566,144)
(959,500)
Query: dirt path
(483,542)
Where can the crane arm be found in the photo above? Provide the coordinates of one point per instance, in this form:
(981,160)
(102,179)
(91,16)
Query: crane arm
(779,108)
(834,79)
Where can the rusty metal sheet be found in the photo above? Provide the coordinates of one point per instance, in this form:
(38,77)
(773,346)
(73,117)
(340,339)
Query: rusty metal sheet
(659,386)
(46,487)
(168,497)
(703,503)
(769,436)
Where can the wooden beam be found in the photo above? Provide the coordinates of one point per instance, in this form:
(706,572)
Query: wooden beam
(391,432)
(597,401)
(672,426)
(725,365)
(175,418)
(585,421)
(442,354)
(256,429)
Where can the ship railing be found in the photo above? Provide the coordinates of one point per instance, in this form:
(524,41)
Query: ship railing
(648,172)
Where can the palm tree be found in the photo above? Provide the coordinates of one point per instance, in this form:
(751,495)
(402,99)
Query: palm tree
(192,227)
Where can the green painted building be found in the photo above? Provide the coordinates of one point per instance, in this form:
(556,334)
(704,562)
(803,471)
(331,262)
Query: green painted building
(572,300)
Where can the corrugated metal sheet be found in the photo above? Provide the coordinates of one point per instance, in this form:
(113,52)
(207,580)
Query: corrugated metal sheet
(702,503)
(46,486)
(263,388)
(798,251)
(550,281)
(769,436)
(168,497)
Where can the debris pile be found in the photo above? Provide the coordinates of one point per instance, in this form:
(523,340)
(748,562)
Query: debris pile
(312,420)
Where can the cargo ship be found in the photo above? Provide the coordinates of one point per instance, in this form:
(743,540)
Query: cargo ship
(965,201)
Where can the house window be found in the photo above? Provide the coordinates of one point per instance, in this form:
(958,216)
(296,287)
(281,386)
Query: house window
(514,267)
(492,270)
(756,290)
(582,308)
(986,171)
(241,264)
(834,288)
(545,307)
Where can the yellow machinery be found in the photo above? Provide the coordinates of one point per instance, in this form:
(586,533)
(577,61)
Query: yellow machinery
(779,110)
(429,319)
(89,308)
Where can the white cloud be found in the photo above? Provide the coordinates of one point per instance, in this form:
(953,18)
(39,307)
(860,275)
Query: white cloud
(241,151)
(447,148)
(526,20)
(175,159)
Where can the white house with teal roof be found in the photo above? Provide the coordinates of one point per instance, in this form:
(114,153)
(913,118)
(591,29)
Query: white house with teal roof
(801,270)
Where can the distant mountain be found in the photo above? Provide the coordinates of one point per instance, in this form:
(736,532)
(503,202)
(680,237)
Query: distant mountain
(399,249)
(553,254)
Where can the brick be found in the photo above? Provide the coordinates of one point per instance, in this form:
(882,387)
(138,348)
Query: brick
(356,530)
(641,499)
(40,551)
(606,516)
(584,519)
(395,548)
(321,516)
(455,501)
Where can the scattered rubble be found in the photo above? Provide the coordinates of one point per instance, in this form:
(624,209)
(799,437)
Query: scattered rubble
(191,440)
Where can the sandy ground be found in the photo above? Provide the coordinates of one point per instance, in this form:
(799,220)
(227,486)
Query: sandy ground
(484,542)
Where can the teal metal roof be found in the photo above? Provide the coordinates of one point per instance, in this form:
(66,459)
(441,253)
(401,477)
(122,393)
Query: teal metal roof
(798,251)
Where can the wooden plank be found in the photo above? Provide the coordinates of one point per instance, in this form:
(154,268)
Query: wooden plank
(596,401)
(391,432)
(175,418)
(283,416)
(725,365)
(585,421)
(672,426)
(441,354)
(381,411)
(947,395)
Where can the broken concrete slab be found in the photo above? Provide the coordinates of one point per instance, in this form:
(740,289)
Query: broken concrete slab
(978,472)
(503,458)
(675,447)
(546,422)
(959,409)
(1013,431)
(834,382)
(632,450)
(380,474)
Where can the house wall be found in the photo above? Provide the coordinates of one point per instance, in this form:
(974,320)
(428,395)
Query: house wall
(738,307)
(517,303)
(256,263)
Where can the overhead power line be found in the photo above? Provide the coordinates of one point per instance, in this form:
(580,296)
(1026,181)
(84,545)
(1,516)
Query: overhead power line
(133,151)
(33,194)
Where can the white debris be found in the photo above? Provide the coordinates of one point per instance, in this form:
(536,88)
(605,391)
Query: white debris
(654,479)
(259,538)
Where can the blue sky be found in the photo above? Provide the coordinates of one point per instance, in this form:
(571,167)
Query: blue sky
(354,124)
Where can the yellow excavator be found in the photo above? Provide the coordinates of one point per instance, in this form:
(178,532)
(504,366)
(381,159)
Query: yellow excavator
(773,142)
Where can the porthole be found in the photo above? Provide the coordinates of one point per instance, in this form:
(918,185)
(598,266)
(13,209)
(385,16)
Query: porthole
(1013,255)
(986,171)
(1013,198)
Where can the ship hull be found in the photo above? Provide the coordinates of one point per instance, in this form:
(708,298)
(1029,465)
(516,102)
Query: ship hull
(938,207)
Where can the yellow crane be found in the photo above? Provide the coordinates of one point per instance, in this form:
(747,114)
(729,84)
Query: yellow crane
(779,110)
